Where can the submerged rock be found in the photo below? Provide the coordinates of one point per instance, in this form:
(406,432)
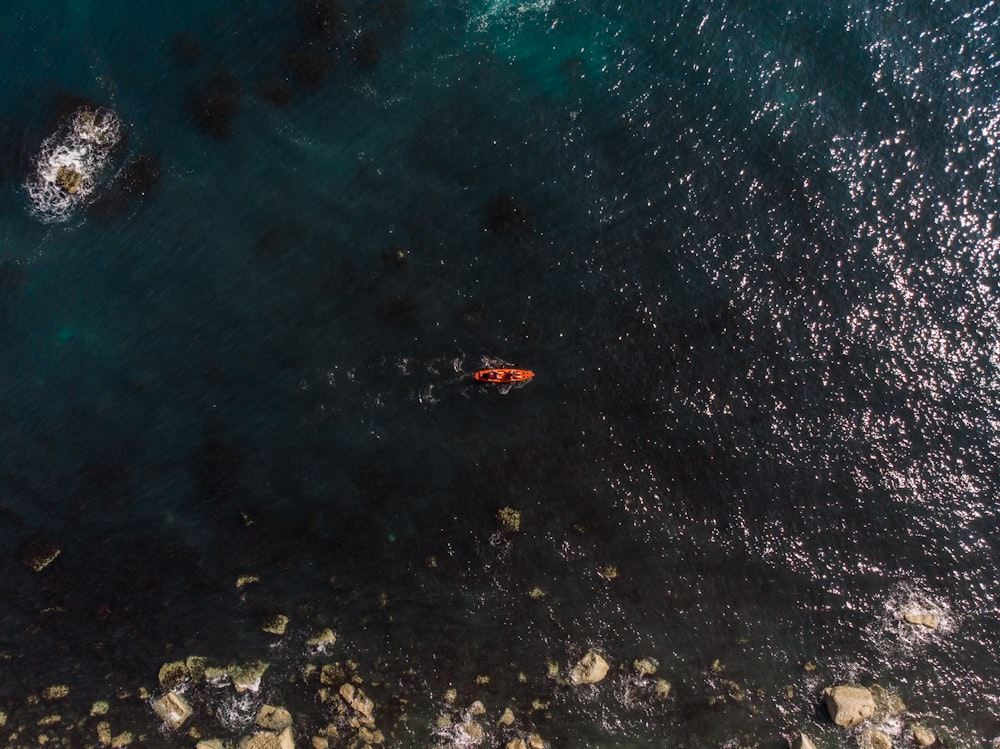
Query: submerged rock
(56,692)
(802,742)
(849,705)
(888,705)
(510,519)
(40,556)
(507,218)
(213,104)
(589,670)
(876,739)
(186,48)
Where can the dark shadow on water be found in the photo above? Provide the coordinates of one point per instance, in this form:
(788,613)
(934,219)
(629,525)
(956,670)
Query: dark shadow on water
(213,102)
(310,63)
(508,218)
(324,21)
(137,181)
(216,467)
(186,47)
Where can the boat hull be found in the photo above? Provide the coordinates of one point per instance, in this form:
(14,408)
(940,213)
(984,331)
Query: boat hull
(504,375)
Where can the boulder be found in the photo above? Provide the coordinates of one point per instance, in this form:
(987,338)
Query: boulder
(923,736)
(273,718)
(877,739)
(644,666)
(322,640)
(849,705)
(332,674)
(275,624)
(196,666)
(470,733)
(507,719)
(357,700)
(246,678)
(173,673)
(40,556)
(69,179)
(56,692)
(589,670)
(888,705)
(802,742)
(919,618)
(172,709)
(265,740)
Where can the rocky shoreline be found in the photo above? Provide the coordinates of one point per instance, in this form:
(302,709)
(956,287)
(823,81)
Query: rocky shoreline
(330,702)
(317,694)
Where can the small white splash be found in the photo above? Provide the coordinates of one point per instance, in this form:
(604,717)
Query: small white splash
(237,711)
(492,12)
(898,629)
(69,163)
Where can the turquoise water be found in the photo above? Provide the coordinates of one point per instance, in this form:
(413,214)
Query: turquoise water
(750,252)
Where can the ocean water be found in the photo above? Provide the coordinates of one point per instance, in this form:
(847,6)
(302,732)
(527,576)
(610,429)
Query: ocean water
(749,249)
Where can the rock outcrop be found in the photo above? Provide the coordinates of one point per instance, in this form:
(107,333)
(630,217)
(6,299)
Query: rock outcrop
(172,709)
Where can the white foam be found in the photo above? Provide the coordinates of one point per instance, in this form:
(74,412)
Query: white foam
(237,711)
(505,11)
(82,144)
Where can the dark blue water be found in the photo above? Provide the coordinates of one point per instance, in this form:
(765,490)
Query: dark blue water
(751,252)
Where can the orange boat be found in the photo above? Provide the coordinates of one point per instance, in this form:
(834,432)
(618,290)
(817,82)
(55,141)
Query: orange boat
(504,376)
